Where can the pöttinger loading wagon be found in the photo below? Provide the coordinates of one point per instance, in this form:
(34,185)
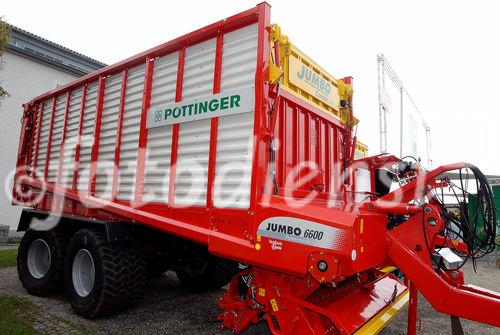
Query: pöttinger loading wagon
(229,145)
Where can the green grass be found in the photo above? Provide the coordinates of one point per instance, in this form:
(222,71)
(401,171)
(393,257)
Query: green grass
(8,258)
(16,316)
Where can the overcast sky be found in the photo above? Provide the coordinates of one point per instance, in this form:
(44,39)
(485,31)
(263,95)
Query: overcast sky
(446,53)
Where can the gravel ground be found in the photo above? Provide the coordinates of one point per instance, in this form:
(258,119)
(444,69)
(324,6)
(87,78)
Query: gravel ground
(432,322)
(168,308)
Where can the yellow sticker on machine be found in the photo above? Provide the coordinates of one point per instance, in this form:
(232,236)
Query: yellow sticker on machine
(308,80)
(274,305)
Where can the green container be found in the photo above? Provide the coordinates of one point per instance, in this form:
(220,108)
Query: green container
(473,204)
(496,192)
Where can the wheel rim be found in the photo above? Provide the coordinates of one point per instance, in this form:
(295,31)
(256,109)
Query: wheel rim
(39,258)
(83,273)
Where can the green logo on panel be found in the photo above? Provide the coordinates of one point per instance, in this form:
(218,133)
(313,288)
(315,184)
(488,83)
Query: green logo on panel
(203,107)
(221,104)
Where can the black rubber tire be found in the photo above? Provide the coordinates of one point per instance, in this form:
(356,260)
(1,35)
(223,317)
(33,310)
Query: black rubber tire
(120,274)
(216,273)
(53,281)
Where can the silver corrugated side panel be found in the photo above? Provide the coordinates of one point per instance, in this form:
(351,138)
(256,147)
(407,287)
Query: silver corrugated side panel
(159,145)
(87,137)
(234,141)
(235,133)
(107,140)
(194,137)
(44,137)
(68,164)
(130,132)
(55,148)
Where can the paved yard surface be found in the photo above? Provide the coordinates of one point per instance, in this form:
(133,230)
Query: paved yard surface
(168,308)
(433,323)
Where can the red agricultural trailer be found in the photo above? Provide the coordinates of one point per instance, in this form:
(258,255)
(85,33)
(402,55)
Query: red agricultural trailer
(228,156)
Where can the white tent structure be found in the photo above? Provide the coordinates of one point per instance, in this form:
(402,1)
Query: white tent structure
(403,130)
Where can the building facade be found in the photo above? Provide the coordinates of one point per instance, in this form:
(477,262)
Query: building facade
(30,66)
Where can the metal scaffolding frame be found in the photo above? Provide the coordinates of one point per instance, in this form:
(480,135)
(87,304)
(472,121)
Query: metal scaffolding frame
(384,69)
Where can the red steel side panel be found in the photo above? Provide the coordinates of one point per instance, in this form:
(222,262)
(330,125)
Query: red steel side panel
(215,121)
(97,136)
(175,128)
(260,158)
(63,140)
(34,130)
(49,143)
(173,163)
(150,213)
(231,23)
(218,243)
(78,147)
(303,141)
(79,139)
(304,147)
(143,135)
(307,156)
(325,152)
(42,105)
(119,129)
(22,151)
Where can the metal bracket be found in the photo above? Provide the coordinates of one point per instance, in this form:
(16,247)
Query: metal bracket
(456,326)
(118,231)
(279,41)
